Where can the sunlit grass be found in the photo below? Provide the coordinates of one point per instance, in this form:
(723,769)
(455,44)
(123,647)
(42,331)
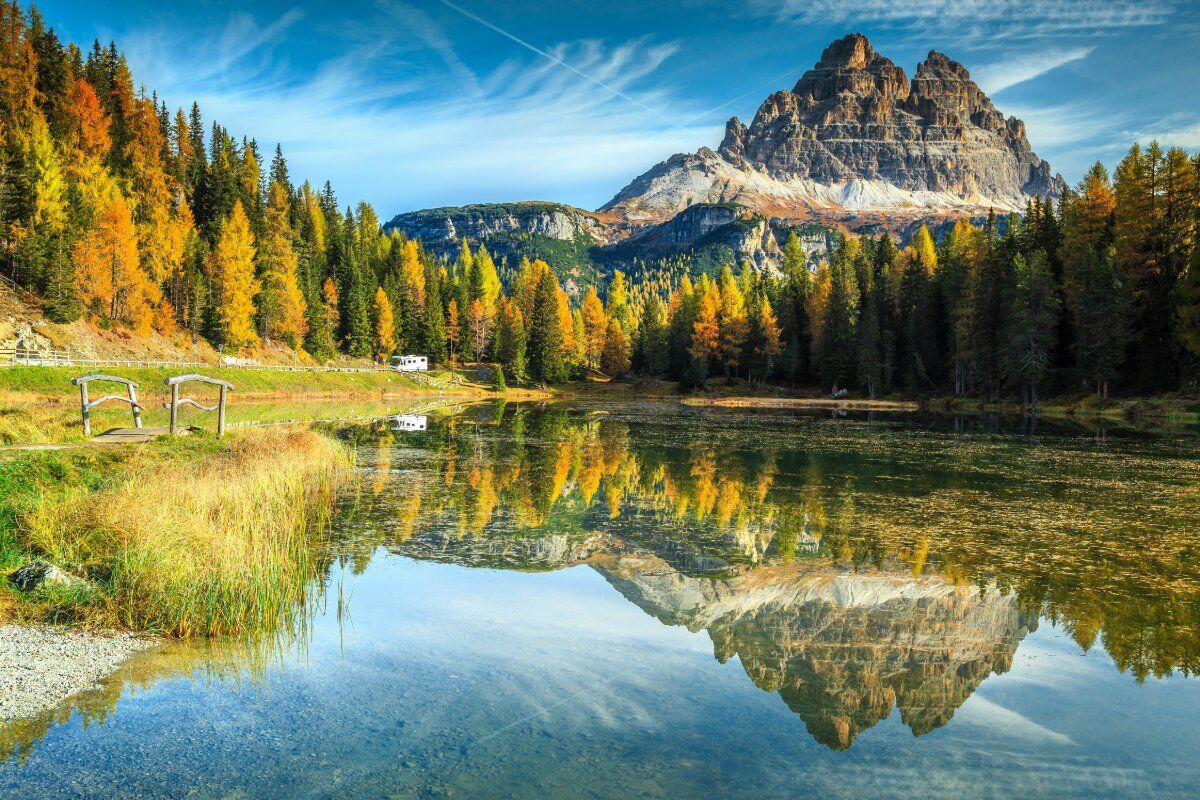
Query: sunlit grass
(187,537)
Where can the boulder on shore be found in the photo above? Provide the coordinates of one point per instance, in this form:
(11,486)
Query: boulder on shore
(36,573)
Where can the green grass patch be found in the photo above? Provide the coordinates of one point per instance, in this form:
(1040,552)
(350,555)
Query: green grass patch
(56,381)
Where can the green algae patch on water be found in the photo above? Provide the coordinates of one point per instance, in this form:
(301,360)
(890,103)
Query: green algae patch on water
(182,537)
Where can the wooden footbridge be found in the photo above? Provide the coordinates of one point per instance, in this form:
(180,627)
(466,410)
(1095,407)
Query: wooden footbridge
(138,433)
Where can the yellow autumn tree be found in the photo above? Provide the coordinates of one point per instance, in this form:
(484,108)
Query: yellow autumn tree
(231,265)
(329,299)
(385,323)
(817,304)
(732,322)
(414,271)
(706,330)
(282,306)
(566,324)
(595,325)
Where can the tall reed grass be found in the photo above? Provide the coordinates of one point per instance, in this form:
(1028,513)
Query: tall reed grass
(195,537)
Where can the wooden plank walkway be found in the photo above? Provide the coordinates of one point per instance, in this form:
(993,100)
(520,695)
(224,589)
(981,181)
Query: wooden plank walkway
(134,435)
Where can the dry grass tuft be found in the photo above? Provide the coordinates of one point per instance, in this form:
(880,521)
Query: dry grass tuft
(196,538)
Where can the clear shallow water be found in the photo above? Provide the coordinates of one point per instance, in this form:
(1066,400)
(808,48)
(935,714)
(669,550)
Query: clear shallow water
(656,602)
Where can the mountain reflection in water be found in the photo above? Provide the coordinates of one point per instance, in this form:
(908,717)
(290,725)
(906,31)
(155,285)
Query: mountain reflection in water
(851,568)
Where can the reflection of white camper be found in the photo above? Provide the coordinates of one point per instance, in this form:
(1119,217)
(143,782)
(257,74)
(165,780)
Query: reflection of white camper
(410,363)
(409,422)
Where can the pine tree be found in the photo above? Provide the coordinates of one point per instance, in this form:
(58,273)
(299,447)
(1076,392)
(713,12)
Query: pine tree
(1032,323)
(869,356)
(453,328)
(1101,315)
(322,322)
(433,319)
(839,336)
(652,355)
(793,310)
(683,308)
(546,362)
(510,339)
(919,359)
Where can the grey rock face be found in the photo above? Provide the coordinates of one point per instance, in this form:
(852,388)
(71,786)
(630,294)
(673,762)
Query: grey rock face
(749,237)
(444,228)
(854,132)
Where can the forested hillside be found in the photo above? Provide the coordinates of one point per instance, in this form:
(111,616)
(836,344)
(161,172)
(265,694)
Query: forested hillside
(116,209)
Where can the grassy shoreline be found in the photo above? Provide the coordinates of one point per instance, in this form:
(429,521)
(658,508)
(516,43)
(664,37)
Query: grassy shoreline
(186,537)
(40,406)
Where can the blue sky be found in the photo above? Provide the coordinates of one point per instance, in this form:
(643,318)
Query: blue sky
(417,103)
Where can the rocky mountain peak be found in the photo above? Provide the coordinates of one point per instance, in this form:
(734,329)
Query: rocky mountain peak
(734,142)
(850,71)
(855,134)
(853,51)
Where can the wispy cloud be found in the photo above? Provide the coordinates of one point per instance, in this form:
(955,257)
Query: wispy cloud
(1175,131)
(1016,69)
(1065,124)
(420,25)
(1066,134)
(396,128)
(974,20)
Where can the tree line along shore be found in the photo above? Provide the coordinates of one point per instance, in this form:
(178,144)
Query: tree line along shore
(119,211)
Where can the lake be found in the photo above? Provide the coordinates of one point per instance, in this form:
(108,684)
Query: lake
(648,600)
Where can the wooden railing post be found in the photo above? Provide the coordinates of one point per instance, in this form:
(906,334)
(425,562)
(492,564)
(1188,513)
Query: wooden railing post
(137,410)
(174,406)
(221,414)
(87,415)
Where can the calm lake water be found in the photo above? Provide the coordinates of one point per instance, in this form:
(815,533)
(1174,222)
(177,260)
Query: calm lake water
(655,601)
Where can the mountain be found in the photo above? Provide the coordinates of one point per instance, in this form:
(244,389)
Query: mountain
(842,650)
(855,145)
(583,244)
(853,137)
(560,234)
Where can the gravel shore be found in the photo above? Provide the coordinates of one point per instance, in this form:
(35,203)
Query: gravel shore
(41,667)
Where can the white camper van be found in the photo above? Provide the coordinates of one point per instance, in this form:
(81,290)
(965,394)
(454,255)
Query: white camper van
(410,363)
(409,422)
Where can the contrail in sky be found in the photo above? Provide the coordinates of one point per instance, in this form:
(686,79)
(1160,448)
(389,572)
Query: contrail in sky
(552,58)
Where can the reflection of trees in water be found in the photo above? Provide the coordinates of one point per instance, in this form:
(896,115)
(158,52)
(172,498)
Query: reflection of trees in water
(1095,540)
